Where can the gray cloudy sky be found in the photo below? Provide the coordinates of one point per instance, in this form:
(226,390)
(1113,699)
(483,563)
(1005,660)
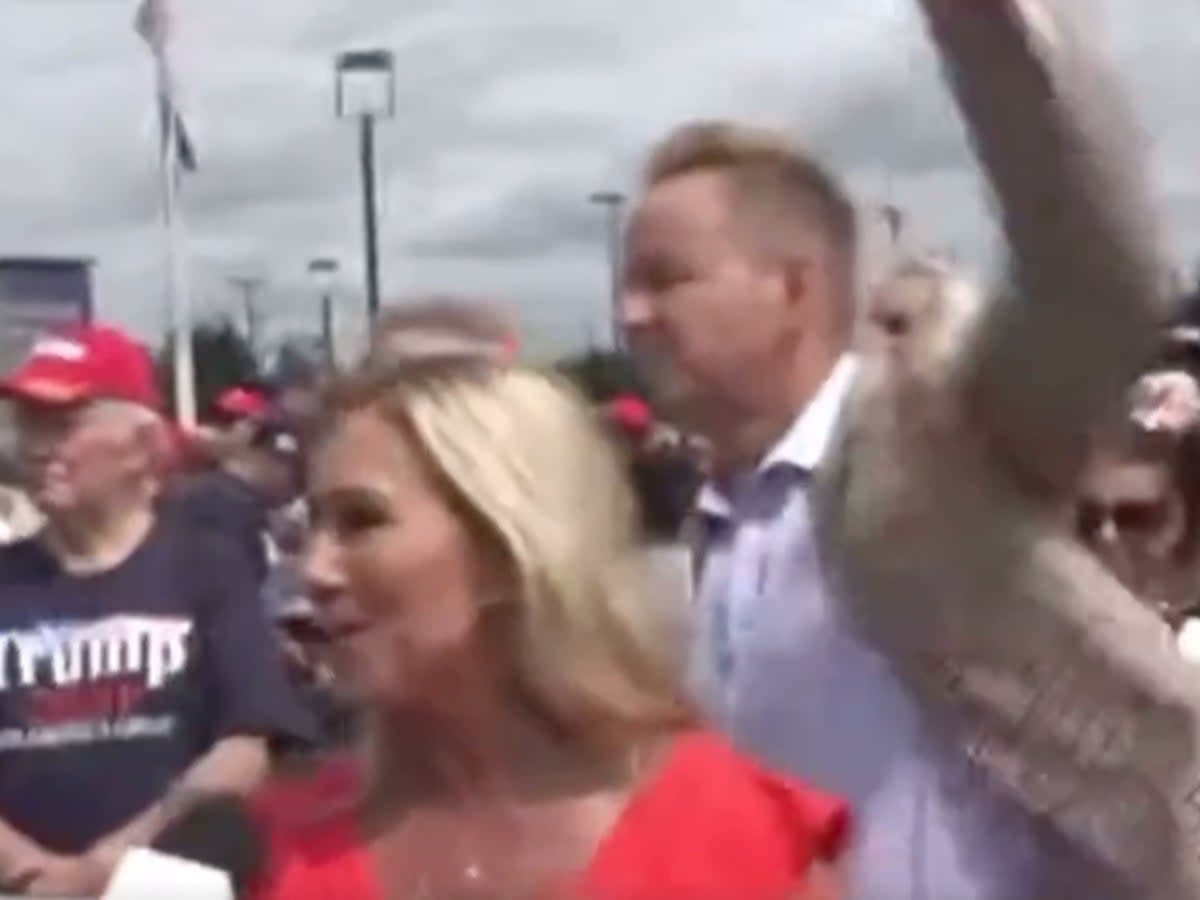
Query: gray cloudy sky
(510,113)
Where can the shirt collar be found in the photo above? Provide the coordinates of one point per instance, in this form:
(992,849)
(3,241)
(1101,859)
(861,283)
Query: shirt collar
(805,443)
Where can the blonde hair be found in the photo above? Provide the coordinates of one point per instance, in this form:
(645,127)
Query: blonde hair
(769,173)
(927,296)
(525,460)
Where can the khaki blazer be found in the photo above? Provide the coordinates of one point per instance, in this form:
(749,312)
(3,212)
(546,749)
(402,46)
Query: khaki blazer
(937,506)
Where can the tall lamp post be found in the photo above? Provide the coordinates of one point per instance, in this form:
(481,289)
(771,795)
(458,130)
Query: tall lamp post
(324,275)
(249,287)
(614,205)
(366,91)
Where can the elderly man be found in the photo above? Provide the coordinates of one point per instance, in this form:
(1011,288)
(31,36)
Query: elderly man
(137,672)
(878,595)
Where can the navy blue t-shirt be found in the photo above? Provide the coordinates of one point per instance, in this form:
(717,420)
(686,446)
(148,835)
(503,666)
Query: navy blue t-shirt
(228,505)
(111,685)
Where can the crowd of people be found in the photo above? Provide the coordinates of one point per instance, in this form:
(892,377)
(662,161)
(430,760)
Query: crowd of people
(884,591)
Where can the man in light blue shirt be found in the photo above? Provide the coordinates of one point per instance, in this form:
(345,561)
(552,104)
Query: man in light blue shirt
(787,676)
(739,304)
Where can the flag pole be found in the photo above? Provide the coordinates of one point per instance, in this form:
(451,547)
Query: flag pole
(178,293)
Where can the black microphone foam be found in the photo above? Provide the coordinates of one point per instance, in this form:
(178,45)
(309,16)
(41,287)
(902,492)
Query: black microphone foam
(218,833)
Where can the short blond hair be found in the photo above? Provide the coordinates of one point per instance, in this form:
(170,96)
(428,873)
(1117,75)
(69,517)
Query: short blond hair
(521,457)
(443,324)
(766,169)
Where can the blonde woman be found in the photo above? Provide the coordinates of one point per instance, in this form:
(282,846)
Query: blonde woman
(473,559)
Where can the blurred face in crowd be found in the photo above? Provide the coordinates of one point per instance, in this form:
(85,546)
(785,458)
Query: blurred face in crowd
(711,321)
(894,312)
(299,404)
(81,458)
(1131,514)
(391,567)
(276,475)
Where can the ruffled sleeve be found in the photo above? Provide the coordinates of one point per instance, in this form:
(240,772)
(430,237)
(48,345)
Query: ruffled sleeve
(714,824)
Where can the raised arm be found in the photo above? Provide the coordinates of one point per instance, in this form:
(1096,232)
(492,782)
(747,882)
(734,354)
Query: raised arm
(1065,163)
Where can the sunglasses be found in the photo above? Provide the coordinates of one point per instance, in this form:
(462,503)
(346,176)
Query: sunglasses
(1127,517)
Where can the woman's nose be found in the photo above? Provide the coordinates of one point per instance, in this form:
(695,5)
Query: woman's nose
(320,566)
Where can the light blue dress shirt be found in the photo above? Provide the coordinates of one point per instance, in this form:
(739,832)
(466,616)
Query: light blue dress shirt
(786,676)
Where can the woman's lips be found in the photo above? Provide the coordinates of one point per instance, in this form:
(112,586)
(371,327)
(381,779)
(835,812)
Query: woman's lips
(341,630)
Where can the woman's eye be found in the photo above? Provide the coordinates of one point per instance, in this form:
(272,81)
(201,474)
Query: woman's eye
(354,520)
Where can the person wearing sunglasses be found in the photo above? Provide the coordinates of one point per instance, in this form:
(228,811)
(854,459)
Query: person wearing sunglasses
(1138,508)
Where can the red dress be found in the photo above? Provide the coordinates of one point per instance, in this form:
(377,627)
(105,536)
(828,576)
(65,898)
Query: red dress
(712,825)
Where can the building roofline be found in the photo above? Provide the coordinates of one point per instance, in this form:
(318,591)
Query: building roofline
(46,262)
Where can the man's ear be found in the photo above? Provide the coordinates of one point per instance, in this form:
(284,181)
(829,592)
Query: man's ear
(796,276)
(153,440)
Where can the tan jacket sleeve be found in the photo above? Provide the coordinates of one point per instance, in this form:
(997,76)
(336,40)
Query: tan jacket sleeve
(1067,169)
(1039,665)
(1071,697)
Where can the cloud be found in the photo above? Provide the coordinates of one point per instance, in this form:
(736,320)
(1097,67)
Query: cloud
(508,116)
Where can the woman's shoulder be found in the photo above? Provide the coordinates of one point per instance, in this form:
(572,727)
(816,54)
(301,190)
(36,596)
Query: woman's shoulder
(770,830)
(706,765)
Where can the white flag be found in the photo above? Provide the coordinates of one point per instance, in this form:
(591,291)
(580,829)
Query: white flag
(153,22)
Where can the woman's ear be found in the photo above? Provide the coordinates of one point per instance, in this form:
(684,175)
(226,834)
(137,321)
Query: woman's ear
(495,574)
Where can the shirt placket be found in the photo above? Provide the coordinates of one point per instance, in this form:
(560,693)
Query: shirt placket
(750,578)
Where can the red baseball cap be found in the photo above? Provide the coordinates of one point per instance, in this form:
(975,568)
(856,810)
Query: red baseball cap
(241,402)
(82,363)
(631,414)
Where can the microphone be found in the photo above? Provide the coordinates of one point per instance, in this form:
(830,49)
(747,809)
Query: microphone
(211,853)
(143,873)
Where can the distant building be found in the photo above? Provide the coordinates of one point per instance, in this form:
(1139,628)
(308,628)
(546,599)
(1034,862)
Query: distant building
(38,293)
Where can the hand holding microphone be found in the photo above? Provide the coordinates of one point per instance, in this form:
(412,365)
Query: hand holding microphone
(51,875)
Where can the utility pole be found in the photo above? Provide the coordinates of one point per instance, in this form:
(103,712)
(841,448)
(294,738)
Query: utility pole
(249,287)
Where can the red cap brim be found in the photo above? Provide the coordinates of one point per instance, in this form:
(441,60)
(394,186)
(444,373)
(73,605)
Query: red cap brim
(32,387)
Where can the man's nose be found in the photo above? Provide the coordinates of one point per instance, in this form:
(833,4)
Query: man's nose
(1108,534)
(635,311)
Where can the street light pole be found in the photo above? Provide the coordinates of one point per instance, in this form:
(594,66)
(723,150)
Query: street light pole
(327,340)
(324,273)
(614,205)
(249,287)
(370,221)
(366,90)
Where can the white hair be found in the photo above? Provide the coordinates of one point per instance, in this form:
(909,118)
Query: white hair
(146,426)
(126,411)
